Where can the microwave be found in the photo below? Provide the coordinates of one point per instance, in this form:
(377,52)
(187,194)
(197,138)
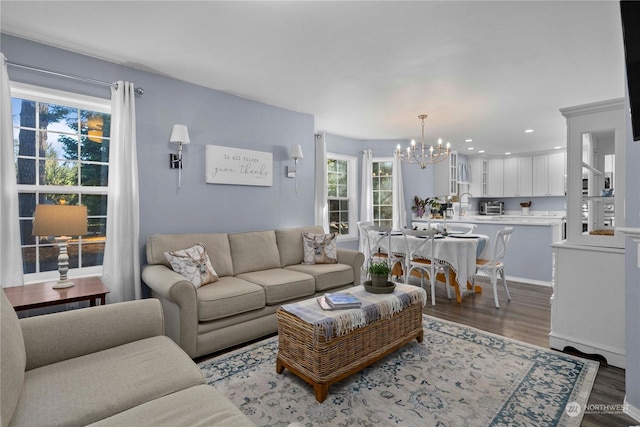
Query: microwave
(491,208)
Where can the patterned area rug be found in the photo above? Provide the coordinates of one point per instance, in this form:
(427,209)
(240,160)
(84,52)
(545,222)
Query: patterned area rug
(459,376)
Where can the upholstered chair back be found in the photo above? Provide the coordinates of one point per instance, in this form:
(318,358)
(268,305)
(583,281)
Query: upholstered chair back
(13,360)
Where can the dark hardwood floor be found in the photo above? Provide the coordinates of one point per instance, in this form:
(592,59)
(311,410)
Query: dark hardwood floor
(527,318)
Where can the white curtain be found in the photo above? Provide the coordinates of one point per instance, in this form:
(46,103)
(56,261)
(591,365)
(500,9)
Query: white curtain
(321,207)
(399,218)
(10,252)
(366,192)
(122,251)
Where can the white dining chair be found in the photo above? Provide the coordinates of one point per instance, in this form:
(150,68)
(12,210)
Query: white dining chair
(494,268)
(416,260)
(377,241)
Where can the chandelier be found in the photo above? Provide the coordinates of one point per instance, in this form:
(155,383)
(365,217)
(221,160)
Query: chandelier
(423,156)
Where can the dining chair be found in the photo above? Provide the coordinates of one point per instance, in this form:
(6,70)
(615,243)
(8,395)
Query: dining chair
(416,260)
(494,268)
(377,241)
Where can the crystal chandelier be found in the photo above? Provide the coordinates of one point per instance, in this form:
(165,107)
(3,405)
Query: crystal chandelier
(421,156)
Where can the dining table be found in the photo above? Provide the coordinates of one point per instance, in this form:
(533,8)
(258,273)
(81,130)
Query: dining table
(458,250)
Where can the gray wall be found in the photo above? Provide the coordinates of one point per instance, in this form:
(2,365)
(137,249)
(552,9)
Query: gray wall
(416,181)
(632,273)
(213,117)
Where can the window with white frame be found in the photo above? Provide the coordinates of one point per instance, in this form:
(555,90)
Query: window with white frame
(341,191)
(61,145)
(383,192)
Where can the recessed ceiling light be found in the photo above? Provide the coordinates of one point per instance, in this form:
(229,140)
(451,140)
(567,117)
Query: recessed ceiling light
(557,148)
(468,140)
(471,148)
(507,153)
(528,131)
(481,151)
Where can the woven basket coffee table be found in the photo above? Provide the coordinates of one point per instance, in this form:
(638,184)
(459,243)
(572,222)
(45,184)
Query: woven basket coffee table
(323,357)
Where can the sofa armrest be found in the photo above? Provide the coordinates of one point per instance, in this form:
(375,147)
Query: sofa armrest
(166,283)
(56,337)
(353,258)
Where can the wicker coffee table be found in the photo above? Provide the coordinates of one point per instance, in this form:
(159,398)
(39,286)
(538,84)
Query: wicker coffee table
(315,351)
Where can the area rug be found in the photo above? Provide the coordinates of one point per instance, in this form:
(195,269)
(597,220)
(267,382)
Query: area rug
(458,376)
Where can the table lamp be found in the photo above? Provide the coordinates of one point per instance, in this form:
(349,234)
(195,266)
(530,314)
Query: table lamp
(61,221)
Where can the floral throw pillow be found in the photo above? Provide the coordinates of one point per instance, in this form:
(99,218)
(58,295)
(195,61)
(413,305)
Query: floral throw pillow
(320,248)
(194,264)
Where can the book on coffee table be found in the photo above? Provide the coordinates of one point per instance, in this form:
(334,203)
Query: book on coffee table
(342,300)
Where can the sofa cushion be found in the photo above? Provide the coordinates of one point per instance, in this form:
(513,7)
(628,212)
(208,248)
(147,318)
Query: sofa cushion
(194,264)
(327,276)
(202,406)
(290,243)
(253,251)
(320,248)
(13,359)
(89,388)
(216,244)
(227,297)
(281,285)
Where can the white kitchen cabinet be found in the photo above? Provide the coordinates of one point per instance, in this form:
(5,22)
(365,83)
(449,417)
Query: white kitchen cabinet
(510,177)
(495,175)
(587,305)
(549,176)
(446,176)
(517,176)
(557,174)
(478,184)
(588,301)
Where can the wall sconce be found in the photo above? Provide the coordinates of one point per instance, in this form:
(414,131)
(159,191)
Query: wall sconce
(180,136)
(295,154)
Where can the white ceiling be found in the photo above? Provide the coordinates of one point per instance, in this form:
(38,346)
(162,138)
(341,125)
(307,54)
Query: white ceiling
(482,70)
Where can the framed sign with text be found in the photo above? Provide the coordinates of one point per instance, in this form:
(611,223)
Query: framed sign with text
(226,165)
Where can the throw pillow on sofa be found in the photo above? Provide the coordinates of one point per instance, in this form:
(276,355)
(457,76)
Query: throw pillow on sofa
(320,248)
(194,264)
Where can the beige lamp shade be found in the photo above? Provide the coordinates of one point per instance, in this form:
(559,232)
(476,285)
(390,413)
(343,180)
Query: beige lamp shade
(60,220)
(180,135)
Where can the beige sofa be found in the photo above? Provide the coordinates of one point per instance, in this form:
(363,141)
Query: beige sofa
(259,271)
(103,366)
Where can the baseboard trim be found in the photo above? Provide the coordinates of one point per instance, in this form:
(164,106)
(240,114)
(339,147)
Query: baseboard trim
(615,357)
(529,281)
(631,410)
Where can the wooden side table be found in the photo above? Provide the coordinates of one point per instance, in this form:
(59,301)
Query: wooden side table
(42,294)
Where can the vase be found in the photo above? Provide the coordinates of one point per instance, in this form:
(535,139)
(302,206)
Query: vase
(379,280)
(525,210)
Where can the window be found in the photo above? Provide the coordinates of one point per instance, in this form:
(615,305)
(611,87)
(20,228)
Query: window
(341,181)
(61,145)
(383,192)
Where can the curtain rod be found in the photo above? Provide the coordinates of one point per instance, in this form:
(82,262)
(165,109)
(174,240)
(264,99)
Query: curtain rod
(138,90)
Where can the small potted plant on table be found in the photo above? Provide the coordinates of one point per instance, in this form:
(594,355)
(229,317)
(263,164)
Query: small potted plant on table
(379,272)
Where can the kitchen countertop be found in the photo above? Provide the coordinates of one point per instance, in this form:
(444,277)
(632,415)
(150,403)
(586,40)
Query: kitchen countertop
(534,219)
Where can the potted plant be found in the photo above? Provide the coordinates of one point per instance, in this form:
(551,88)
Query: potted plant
(419,206)
(379,272)
(434,205)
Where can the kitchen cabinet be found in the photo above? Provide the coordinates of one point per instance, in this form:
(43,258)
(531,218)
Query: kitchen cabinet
(517,177)
(446,176)
(596,173)
(478,184)
(549,176)
(495,175)
(588,301)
